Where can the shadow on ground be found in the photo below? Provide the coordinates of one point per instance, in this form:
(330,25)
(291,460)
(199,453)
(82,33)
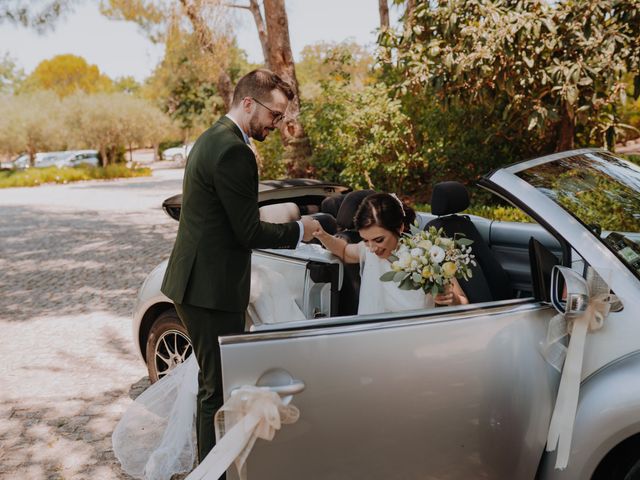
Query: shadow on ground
(57,263)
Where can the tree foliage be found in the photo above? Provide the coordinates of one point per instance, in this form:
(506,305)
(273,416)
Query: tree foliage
(38,14)
(31,123)
(66,74)
(323,61)
(10,75)
(363,138)
(108,122)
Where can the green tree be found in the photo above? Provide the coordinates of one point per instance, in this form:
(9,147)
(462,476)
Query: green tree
(10,75)
(66,74)
(110,121)
(322,61)
(363,138)
(31,123)
(556,67)
(38,14)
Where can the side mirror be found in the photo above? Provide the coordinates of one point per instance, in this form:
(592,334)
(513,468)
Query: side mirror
(569,291)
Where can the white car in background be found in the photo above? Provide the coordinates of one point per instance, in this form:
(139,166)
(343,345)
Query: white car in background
(177,154)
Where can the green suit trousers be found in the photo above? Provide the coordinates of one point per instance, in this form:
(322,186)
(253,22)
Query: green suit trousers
(204,326)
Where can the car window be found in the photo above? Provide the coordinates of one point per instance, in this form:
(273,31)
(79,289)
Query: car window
(602,192)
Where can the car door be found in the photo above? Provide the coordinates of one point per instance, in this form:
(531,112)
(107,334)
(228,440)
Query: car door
(453,393)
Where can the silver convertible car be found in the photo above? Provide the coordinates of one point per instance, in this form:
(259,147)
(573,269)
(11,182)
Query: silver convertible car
(461,392)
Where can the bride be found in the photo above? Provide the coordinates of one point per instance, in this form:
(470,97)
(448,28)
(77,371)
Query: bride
(380,220)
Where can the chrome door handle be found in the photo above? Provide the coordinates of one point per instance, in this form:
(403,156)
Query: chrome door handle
(296,386)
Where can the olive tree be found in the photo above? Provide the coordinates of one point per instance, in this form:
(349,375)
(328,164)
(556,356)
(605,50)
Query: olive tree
(31,123)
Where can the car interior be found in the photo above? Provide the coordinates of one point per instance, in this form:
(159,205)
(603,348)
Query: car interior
(514,259)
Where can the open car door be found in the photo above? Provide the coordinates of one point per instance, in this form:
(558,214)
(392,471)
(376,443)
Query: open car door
(452,393)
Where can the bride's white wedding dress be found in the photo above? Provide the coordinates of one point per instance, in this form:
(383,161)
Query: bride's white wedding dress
(379,297)
(155,438)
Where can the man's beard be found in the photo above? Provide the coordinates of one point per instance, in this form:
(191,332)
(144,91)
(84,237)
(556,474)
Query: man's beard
(257,131)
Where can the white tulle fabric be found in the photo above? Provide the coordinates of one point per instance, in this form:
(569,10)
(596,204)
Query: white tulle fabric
(381,297)
(155,438)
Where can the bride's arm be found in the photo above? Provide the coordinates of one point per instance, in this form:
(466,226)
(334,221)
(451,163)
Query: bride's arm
(348,253)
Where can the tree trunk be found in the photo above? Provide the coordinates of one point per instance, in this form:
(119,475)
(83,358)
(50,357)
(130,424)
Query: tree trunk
(383,8)
(205,39)
(567,131)
(262,31)
(103,156)
(280,60)
(32,157)
(408,16)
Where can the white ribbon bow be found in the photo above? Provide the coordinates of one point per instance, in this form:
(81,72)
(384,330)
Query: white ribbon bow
(564,412)
(250,413)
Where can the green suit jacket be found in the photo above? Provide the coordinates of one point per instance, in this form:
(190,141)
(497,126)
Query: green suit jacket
(210,265)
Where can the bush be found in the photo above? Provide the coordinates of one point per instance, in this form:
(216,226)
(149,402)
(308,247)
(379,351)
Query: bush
(362,138)
(33,177)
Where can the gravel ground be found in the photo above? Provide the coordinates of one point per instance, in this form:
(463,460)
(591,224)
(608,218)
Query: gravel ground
(72,258)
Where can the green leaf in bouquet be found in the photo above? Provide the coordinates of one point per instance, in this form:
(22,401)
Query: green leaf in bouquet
(388,276)
(400,276)
(416,277)
(407,284)
(435,290)
(392,258)
(465,242)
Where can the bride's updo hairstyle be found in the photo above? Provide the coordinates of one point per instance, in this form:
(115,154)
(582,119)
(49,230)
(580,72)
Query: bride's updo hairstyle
(384,210)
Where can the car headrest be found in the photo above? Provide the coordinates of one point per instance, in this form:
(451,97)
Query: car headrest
(349,207)
(327,222)
(448,198)
(331,205)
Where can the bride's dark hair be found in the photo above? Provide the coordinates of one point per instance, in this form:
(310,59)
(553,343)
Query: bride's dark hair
(384,210)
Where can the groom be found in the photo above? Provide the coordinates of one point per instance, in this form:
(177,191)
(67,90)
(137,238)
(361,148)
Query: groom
(209,270)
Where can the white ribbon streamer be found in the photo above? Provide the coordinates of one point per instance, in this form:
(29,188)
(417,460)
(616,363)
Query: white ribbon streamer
(249,414)
(564,413)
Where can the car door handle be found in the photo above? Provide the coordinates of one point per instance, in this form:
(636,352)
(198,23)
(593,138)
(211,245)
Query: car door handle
(296,386)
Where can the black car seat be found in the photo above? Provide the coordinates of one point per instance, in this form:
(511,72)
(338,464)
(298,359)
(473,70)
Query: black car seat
(331,205)
(350,292)
(490,282)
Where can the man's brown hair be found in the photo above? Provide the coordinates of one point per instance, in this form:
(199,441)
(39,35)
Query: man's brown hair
(259,84)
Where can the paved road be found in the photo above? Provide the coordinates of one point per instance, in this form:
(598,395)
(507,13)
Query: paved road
(71,260)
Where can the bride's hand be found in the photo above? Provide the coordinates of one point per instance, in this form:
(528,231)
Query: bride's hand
(320,234)
(448,297)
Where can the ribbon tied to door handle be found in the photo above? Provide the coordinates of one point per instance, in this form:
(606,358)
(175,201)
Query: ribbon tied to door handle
(564,412)
(249,413)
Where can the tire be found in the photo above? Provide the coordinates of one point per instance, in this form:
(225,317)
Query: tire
(168,345)
(622,463)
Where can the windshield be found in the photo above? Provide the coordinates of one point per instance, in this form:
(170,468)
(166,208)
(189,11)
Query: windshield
(601,191)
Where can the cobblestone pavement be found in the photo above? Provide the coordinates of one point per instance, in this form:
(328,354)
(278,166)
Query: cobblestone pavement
(71,260)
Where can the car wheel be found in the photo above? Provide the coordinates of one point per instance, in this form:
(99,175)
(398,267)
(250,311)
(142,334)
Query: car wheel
(168,345)
(622,463)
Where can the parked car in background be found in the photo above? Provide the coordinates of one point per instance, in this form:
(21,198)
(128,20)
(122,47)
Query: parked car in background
(78,157)
(456,392)
(68,158)
(177,154)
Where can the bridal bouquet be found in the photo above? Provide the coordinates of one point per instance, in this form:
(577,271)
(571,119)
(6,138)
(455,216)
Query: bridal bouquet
(429,260)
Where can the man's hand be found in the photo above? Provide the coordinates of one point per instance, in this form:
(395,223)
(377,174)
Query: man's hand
(310,225)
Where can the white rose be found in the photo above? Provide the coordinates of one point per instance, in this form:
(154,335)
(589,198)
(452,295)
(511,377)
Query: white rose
(416,252)
(404,259)
(425,244)
(414,264)
(436,253)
